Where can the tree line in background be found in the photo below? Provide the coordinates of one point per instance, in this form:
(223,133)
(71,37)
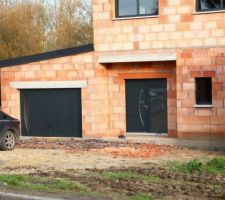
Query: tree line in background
(33,26)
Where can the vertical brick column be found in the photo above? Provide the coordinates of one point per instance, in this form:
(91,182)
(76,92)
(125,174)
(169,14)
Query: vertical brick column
(201,123)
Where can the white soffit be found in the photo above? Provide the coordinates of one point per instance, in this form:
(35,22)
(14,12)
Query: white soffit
(137,58)
(48,84)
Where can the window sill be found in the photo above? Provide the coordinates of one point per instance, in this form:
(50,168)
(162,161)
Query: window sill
(203,106)
(140,17)
(208,12)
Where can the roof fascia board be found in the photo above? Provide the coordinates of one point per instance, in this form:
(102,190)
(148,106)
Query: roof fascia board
(46,56)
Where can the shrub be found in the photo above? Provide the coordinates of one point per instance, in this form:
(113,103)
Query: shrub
(194,165)
(216,165)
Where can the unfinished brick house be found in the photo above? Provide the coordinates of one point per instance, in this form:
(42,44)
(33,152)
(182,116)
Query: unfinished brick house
(156,67)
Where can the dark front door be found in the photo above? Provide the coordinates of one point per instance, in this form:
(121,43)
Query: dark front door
(51,112)
(146,105)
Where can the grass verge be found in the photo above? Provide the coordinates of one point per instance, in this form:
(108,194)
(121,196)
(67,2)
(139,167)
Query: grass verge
(121,184)
(213,166)
(41,183)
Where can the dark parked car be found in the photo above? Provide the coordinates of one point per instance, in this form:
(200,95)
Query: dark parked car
(9,131)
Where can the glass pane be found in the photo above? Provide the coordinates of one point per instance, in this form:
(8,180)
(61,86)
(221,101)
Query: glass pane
(127,7)
(209,4)
(148,7)
(204,90)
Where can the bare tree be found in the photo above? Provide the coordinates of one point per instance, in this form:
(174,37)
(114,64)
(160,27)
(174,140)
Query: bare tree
(33,26)
(73,24)
(21,31)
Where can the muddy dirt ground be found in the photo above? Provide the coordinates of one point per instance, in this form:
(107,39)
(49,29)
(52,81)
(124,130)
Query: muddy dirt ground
(86,161)
(162,183)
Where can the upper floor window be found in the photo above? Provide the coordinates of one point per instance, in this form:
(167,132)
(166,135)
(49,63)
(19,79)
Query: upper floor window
(210,5)
(135,8)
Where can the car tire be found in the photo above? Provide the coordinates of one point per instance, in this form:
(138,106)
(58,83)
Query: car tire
(7,140)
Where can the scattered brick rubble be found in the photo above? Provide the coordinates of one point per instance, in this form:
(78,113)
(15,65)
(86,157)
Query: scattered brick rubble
(114,148)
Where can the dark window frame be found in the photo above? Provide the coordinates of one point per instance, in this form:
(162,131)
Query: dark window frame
(138,11)
(197,92)
(222,7)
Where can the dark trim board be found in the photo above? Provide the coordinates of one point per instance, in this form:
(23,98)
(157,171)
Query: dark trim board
(47,55)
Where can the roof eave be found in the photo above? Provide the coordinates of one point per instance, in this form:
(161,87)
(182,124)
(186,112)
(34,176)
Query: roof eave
(47,55)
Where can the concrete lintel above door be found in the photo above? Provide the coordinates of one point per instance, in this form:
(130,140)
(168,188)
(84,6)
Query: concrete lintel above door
(48,84)
(137,58)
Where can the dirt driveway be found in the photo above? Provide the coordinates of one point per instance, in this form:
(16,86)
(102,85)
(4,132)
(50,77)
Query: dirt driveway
(37,155)
(109,170)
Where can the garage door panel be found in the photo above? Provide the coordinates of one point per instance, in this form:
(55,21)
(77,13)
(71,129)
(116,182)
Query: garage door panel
(34,121)
(63,119)
(38,112)
(52,112)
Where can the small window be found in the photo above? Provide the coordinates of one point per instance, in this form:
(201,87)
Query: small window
(204,91)
(210,5)
(134,8)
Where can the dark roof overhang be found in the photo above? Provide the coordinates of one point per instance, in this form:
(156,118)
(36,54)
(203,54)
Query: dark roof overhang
(47,55)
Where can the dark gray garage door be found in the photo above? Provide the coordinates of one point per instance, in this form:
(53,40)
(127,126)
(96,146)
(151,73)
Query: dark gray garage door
(51,112)
(146,105)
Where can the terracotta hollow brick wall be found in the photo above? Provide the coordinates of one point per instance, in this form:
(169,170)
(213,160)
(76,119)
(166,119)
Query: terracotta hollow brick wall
(177,26)
(80,67)
(202,123)
(118,73)
(103,100)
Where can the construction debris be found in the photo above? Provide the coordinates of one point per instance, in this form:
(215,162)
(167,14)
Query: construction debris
(114,148)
